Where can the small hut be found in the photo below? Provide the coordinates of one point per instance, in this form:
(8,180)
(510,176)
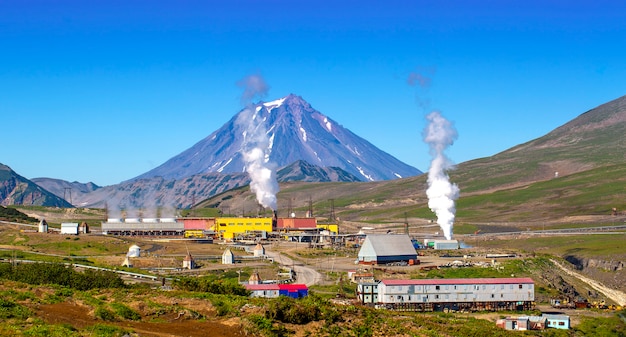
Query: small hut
(255,278)
(188,262)
(259,251)
(228,257)
(43,226)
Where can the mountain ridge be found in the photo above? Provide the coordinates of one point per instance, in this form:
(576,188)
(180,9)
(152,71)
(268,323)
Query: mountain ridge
(295,131)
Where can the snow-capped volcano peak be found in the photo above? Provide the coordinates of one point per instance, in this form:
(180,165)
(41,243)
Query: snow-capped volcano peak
(297,132)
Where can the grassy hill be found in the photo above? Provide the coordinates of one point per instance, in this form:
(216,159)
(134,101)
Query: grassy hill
(575,170)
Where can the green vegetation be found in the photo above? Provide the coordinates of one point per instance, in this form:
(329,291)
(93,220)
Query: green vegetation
(52,273)
(590,245)
(13,215)
(204,212)
(211,285)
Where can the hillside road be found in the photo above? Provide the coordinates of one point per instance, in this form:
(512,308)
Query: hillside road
(615,295)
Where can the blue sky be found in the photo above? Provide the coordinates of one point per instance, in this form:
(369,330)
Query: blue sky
(103,91)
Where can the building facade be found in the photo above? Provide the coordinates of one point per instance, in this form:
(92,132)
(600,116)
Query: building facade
(452,294)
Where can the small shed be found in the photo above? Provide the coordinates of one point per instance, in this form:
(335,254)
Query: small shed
(83,227)
(259,251)
(228,257)
(293,290)
(557,321)
(188,262)
(255,278)
(70,228)
(43,226)
(386,248)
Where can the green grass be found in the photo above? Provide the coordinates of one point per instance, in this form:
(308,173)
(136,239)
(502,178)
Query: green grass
(591,245)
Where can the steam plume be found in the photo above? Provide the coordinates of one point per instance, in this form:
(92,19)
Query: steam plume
(440,134)
(255,149)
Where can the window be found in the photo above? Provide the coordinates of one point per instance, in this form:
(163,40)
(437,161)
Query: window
(492,295)
(436,287)
(561,323)
(437,296)
(520,286)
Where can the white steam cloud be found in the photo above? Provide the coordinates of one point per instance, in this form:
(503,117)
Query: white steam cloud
(255,148)
(440,134)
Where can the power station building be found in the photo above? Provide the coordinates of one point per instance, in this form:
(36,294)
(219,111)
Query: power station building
(229,228)
(143,227)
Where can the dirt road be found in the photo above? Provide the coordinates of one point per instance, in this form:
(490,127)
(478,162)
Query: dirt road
(615,295)
(304,274)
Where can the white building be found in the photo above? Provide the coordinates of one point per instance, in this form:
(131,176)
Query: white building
(487,292)
(259,251)
(70,228)
(386,248)
(228,257)
(43,226)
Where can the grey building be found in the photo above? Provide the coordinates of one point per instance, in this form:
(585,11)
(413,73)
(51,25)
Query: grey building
(386,248)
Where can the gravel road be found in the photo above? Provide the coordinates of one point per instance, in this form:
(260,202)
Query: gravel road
(615,295)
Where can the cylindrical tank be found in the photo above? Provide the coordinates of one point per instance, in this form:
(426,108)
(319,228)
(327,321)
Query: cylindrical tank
(132,220)
(134,251)
(150,220)
(114,220)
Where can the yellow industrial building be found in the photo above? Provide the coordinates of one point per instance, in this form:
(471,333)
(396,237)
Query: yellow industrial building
(229,228)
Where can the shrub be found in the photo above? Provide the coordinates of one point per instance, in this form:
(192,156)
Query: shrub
(125,312)
(211,285)
(102,330)
(104,314)
(44,330)
(55,273)
(9,309)
(289,310)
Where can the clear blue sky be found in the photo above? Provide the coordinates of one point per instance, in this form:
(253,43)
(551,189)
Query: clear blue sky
(103,91)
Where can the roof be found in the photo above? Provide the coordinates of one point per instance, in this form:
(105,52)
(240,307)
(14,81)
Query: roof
(457,281)
(253,287)
(555,317)
(292,287)
(387,245)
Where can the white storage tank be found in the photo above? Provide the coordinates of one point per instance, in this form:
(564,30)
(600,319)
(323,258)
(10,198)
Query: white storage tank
(134,251)
(132,220)
(114,220)
(168,219)
(150,220)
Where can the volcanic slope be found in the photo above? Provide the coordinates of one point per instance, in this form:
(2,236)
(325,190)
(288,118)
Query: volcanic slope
(520,184)
(296,131)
